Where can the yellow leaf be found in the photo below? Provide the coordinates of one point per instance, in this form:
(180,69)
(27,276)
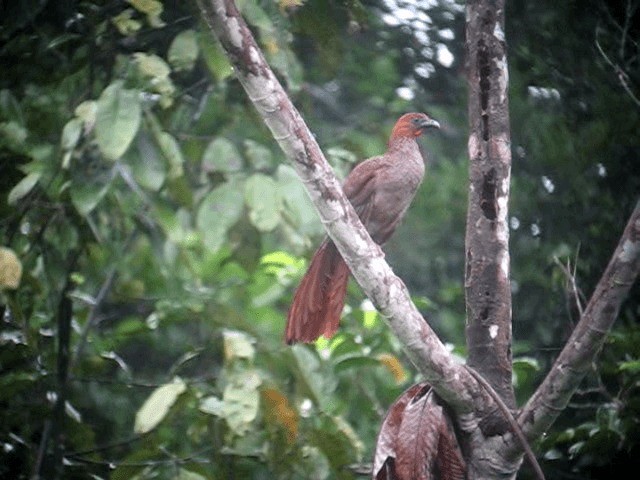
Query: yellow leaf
(10,269)
(278,411)
(394,366)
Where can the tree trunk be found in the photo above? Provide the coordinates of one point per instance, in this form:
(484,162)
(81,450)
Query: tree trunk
(487,286)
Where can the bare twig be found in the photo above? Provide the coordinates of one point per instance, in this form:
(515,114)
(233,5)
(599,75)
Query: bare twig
(574,293)
(622,76)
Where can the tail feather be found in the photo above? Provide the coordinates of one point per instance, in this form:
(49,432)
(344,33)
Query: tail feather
(318,301)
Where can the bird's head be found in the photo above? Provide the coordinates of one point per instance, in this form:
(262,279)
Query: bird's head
(412,125)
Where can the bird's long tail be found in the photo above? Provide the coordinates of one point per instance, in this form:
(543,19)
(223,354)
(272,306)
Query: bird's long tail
(318,302)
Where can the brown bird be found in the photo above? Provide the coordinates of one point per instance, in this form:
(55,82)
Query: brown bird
(380,190)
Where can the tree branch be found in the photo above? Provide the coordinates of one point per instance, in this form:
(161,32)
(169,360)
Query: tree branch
(587,338)
(388,293)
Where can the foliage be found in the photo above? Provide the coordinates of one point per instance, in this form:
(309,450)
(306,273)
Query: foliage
(136,181)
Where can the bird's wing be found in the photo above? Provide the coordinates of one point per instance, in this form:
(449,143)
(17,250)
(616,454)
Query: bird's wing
(360,188)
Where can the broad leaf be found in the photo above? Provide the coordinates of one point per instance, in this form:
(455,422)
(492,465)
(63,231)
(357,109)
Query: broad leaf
(237,345)
(147,167)
(218,212)
(71,134)
(241,401)
(171,151)
(23,187)
(221,156)
(156,407)
(183,51)
(117,120)
(264,202)
(316,382)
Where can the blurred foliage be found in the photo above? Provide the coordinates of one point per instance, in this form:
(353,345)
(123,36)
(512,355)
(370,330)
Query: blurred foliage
(137,181)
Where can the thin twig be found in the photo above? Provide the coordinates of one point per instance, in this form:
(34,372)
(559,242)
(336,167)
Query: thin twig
(623,77)
(92,321)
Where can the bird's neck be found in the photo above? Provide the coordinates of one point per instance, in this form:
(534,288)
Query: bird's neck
(401,142)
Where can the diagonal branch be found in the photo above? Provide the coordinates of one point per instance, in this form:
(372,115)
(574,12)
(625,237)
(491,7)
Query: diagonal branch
(388,293)
(587,338)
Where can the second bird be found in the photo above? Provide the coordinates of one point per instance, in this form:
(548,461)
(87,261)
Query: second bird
(380,190)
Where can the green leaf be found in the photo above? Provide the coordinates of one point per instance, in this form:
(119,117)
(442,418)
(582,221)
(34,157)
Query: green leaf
(23,187)
(298,208)
(158,72)
(85,195)
(183,51)
(125,23)
(214,57)
(171,151)
(12,134)
(280,258)
(156,407)
(241,401)
(71,134)
(356,361)
(151,65)
(184,474)
(218,212)
(631,366)
(221,156)
(260,156)
(117,120)
(319,383)
(152,8)
(87,112)
(264,202)
(147,165)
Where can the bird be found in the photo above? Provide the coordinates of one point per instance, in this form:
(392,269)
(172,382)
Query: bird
(380,189)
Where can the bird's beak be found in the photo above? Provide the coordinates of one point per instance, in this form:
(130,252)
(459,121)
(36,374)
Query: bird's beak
(429,123)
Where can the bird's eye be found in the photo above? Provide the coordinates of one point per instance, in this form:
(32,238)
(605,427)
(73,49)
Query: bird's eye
(415,120)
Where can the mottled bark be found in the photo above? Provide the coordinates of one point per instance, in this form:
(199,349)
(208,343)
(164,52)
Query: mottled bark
(487,286)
